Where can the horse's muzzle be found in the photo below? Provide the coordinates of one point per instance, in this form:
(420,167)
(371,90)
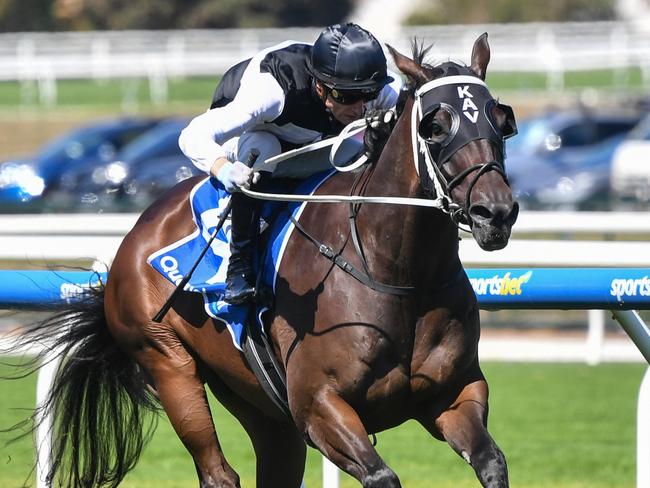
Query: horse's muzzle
(492,223)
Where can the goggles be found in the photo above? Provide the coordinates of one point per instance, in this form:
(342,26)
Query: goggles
(348,97)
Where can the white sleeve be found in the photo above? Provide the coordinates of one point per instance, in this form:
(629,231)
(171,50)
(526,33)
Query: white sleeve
(388,95)
(259,99)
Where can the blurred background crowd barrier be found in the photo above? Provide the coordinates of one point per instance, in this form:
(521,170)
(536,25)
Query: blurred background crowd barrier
(548,48)
(579,89)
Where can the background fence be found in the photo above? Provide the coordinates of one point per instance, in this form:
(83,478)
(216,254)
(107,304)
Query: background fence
(540,239)
(552,49)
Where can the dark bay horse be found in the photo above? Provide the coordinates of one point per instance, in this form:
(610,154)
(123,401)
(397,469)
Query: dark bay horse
(357,361)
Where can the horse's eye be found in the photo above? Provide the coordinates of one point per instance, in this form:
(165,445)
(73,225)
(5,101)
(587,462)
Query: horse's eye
(436,131)
(436,128)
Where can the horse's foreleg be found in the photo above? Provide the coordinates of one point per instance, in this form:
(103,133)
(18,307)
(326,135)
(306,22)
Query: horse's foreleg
(184,399)
(463,426)
(280,453)
(335,428)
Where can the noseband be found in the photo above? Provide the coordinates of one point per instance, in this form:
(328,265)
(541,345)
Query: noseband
(460,214)
(461,96)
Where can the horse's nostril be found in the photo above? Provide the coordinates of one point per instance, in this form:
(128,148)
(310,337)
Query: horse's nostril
(495,213)
(514,213)
(481,212)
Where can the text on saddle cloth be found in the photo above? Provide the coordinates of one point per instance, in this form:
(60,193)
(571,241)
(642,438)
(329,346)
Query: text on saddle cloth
(208,199)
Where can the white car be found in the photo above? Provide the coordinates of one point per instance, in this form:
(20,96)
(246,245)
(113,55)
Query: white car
(630,178)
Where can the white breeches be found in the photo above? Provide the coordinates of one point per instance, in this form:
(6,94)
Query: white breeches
(300,166)
(238,148)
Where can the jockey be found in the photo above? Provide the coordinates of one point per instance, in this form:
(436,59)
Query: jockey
(286,96)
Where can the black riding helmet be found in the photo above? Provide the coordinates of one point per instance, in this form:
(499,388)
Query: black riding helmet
(348,57)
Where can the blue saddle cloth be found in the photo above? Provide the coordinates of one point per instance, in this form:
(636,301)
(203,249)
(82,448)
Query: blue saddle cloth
(208,199)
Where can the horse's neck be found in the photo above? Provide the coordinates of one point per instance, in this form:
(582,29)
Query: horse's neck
(394,173)
(413,240)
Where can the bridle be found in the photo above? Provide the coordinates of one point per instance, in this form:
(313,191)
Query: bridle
(468,122)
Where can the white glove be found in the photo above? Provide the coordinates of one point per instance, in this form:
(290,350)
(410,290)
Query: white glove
(236,175)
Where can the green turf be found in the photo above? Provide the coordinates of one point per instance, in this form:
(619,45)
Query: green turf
(568,425)
(108,93)
(572,80)
(136,93)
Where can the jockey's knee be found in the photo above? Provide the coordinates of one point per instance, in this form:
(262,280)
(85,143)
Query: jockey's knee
(266,143)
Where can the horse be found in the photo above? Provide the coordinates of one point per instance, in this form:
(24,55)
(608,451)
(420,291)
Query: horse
(358,359)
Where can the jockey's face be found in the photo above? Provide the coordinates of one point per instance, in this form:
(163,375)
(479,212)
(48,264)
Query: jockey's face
(344,113)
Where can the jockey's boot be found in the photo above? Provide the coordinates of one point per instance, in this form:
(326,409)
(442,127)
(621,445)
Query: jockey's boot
(240,278)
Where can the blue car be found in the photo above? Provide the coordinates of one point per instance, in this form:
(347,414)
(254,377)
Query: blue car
(99,184)
(149,181)
(562,159)
(24,182)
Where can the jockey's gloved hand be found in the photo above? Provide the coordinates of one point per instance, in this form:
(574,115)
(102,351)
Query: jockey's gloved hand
(379,124)
(237,175)
(375,119)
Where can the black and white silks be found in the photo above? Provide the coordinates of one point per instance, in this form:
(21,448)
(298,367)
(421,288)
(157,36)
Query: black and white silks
(271,92)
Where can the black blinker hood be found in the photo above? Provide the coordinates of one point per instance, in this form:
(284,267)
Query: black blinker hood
(469,105)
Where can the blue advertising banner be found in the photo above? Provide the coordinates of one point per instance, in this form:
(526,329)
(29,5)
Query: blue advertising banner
(34,290)
(502,288)
(562,288)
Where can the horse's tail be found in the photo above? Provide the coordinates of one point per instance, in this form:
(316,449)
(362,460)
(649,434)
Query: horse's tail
(98,402)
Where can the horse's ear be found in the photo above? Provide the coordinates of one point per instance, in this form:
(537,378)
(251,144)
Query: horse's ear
(481,56)
(406,65)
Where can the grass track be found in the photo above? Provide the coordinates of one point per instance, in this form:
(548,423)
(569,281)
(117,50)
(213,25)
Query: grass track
(560,425)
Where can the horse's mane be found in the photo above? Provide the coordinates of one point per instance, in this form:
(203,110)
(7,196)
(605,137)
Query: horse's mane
(433,70)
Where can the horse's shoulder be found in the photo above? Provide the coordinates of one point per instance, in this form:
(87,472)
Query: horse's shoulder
(338,183)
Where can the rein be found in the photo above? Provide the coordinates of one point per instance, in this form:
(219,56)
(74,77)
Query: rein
(280,197)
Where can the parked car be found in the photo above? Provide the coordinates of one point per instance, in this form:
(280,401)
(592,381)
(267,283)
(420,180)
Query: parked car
(23,182)
(630,177)
(149,181)
(563,158)
(99,184)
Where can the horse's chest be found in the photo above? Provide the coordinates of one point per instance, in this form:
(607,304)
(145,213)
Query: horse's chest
(446,344)
(373,365)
